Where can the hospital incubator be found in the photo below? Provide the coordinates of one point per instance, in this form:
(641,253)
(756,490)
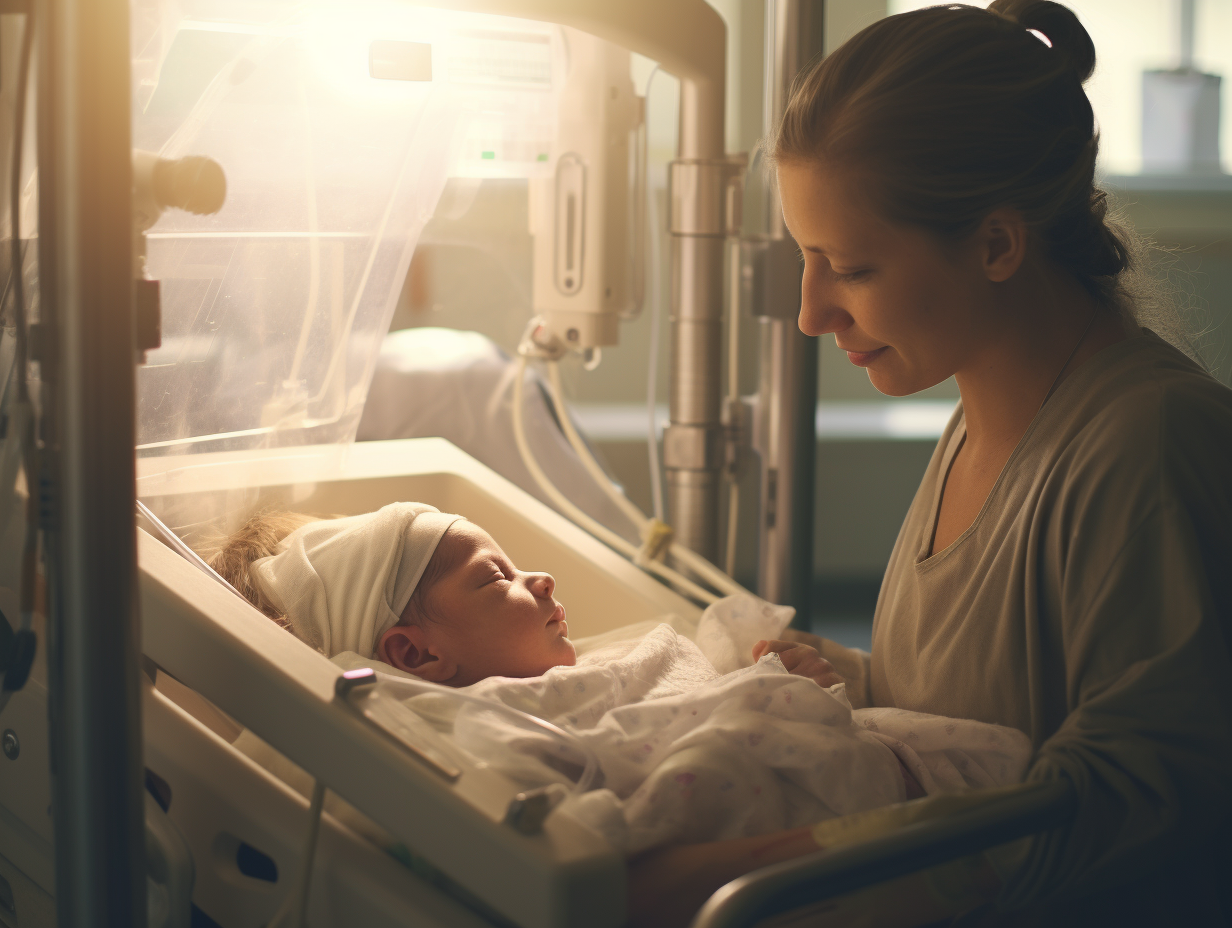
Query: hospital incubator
(284,157)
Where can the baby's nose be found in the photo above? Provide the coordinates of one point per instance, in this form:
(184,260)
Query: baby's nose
(543,585)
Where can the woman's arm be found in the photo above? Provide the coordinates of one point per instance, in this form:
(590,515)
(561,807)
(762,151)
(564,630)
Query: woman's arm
(668,885)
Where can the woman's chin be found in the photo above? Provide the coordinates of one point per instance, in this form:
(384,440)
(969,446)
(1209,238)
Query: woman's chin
(888,383)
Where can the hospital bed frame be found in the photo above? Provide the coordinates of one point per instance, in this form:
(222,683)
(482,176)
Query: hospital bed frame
(807,881)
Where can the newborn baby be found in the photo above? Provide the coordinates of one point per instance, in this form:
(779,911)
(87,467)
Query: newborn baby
(425,592)
(724,731)
(475,615)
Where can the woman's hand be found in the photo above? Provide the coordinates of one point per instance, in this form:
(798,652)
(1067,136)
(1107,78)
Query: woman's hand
(801,660)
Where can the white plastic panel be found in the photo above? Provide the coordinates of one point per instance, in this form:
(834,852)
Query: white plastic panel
(273,308)
(279,688)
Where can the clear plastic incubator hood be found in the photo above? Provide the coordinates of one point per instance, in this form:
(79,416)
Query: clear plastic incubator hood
(336,125)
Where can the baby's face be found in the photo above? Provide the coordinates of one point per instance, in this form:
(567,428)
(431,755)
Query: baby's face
(493,619)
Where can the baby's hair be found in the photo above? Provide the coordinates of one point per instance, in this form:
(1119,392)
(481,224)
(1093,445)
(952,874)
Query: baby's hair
(233,555)
(260,536)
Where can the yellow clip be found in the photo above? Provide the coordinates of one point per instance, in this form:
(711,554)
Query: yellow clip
(656,539)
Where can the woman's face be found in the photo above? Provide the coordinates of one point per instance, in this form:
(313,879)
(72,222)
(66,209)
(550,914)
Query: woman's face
(902,304)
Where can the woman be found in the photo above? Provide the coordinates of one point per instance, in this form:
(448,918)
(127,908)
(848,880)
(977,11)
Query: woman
(1066,566)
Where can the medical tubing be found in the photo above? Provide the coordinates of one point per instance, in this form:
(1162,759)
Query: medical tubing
(294,909)
(635,515)
(733,526)
(707,571)
(566,506)
(590,770)
(704,569)
(733,396)
(656,315)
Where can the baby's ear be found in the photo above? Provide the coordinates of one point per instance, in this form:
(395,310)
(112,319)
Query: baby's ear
(407,648)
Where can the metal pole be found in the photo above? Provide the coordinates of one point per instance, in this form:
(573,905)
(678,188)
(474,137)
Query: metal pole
(699,222)
(88,484)
(785,428)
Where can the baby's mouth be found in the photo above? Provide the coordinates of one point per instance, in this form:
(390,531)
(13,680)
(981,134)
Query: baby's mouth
(558,617)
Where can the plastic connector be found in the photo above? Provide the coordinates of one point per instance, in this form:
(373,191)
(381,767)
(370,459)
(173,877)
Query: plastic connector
(539,341)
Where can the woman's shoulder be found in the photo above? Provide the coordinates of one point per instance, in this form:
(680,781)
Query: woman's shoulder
(1150,391)
(1147,418)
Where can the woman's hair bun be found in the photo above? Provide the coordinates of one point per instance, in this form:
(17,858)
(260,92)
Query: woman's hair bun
(1068,36)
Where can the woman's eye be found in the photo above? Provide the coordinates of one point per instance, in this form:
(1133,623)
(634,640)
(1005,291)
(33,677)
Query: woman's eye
(854,276)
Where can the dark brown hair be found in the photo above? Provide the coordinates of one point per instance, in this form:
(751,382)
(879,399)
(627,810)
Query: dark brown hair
(419,608)
(951,112)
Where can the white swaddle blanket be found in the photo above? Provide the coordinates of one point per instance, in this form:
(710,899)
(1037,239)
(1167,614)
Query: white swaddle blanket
(689,754)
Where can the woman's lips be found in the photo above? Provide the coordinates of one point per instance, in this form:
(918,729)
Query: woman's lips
(558,618)
(865,358)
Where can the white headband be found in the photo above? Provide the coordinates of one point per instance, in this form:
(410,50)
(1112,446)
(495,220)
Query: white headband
(342,583)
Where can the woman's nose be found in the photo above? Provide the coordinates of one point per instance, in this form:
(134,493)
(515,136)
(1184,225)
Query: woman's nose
(820,318)
(819,313)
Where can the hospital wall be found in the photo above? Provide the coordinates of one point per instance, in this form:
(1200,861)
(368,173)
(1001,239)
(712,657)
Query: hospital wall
(472,271)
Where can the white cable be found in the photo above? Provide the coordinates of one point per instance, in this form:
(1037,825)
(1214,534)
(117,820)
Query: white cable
(566,506)
(294,909)
(709,572)
(733,395)
(656,316)
(733,525)
(627,506)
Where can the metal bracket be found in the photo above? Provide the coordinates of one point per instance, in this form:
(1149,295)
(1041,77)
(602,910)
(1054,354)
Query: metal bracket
(771,272)
(705,197)
(354,687)
(693,447)
(737,434)
(527,811)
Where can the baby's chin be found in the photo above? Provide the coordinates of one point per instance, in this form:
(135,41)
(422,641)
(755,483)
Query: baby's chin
(566,655)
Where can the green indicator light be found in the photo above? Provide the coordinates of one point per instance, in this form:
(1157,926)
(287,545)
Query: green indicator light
(488,155)
(542,157)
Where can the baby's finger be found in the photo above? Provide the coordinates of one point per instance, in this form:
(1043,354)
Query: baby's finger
(777,646)
(764,647)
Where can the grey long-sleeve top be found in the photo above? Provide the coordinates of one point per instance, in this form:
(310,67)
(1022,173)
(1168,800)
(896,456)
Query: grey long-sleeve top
(1090,606)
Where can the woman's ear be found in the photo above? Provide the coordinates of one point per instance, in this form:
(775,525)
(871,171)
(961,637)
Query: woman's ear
(1003,244)
(410,648)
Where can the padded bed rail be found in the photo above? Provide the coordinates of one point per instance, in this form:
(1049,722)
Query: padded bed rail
(1005,815)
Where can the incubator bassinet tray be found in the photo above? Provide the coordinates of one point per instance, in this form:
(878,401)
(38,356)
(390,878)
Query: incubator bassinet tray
(284,692)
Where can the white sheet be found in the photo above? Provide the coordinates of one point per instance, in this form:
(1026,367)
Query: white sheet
(689,754)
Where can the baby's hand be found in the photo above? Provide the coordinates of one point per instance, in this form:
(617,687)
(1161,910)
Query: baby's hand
(800,660)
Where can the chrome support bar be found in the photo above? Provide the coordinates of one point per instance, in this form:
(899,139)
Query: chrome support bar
(785,431)
(704,198)
(1005,816)
(88,485)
